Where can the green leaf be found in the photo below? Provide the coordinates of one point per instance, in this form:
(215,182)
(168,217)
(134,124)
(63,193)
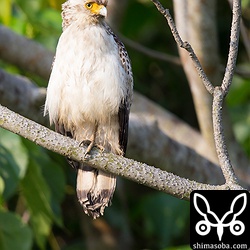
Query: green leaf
(53,177)
(43,189)
(57,4)
(164,218)
(240,92)
(14,234)
(239,109)
(5,11)
(8,172)
(186,247)
(14,144)
(13,161)
(1,186)
(37,195)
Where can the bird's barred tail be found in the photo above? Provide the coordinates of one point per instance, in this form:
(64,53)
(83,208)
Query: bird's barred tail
(94,189)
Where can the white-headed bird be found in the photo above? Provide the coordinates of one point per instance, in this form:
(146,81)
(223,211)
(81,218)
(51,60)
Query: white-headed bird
(89,94)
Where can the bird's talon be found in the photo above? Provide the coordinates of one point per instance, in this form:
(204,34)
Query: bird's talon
(86,155)
(101,148)
(89,144)
(84,143)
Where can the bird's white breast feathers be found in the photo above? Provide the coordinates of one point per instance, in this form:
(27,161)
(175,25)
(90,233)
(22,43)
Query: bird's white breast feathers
(87,82)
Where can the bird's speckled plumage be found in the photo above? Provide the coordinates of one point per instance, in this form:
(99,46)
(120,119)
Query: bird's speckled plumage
(89,94)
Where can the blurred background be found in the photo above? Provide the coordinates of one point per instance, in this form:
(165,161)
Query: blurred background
(38,205)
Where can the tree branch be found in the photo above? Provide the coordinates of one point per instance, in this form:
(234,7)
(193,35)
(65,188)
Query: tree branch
(220,144)
(157,148)
(149,52)
(115,157)
(185,45)
(219,92)
(21,95)
(130,169)
(33,56)
(25,98)
(233,47)
(196,28)
(244,35)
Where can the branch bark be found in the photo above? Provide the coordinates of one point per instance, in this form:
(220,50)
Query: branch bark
(148,123)
(21,95)
(139,172)
(17,90)
(128,168)
(158,149)
(12,45)
(219,136)
(218,93)
(196,28)
(233,47)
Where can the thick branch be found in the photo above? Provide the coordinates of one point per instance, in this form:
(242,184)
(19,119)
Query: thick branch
(149,144)
(24,95)
(33,56)
(196,29)
(21,95)
(168,123)
(221,92)
(221,147)
(25,98)
(130,169)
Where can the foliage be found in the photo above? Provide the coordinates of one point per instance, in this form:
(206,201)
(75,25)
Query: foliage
(162,218)
(35,184)
(14,234)
(238,102)
(34,188)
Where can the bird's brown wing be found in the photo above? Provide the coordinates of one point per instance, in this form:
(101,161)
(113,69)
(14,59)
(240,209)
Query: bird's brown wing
(123,117)
(124,109)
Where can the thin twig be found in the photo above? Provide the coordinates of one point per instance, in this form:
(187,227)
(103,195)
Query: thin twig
(150,52)
(184,45)
(233,47)
(244,33)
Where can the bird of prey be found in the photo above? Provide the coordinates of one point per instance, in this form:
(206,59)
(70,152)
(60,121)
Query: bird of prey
(89,94)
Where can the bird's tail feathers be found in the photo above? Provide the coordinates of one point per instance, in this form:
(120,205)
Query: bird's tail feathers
(95,189)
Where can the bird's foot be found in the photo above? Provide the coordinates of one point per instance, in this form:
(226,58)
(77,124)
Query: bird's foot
(90,145)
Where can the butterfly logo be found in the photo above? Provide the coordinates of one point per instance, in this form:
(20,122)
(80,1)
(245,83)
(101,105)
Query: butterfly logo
(210,219)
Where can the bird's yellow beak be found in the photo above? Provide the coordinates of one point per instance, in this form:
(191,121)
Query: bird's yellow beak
(97,9)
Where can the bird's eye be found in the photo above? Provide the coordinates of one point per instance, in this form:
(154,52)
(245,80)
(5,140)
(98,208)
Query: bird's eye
(88,5)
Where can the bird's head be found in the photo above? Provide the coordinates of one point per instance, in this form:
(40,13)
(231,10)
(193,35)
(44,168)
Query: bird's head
(96,8)
(83,11)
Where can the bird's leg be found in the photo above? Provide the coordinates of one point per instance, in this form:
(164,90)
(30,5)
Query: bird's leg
(91,142)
